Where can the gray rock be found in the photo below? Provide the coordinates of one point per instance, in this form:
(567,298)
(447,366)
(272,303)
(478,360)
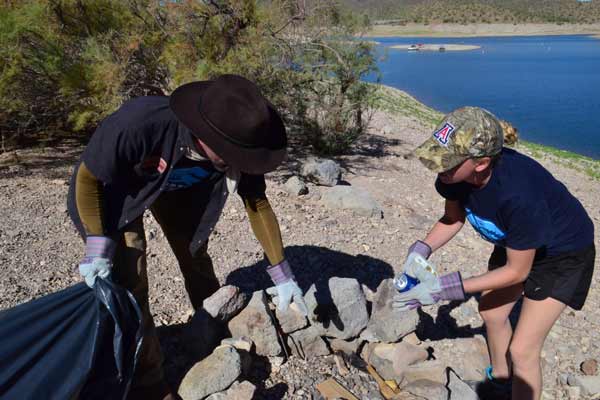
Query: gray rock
(459,390)
(353,199)
(255,323)
(433,370)
(291,319)
(345,346)
(295,187)
(225,303)
(240,343)
(469,357)
(590,385)
(426,389)
(203,334)
(213,374)
(238,391)
(392,360)
(386,324)
(307,343)
(322,172)
(338,309)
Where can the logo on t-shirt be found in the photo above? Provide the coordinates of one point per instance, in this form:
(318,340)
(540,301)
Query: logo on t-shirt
(443,134)
(487,229)
(183,178)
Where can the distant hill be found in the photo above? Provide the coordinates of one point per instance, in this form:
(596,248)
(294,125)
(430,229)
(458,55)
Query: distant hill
(478,11)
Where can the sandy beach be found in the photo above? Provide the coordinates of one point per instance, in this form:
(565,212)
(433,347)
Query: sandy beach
(456,30)
(437,47)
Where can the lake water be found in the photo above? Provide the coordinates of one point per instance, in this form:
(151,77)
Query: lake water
(547,86)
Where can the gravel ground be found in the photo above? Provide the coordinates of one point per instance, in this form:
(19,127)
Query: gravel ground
(39,250)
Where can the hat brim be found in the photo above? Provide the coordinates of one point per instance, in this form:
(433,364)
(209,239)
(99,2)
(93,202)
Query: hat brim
(437,158)
(184,102)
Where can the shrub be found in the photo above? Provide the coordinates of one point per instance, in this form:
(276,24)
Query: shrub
(66,64)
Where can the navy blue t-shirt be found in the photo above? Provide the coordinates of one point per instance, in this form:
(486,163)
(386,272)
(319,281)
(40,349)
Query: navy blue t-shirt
(523,207)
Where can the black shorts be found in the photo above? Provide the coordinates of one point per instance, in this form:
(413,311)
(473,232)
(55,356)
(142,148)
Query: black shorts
(564,277)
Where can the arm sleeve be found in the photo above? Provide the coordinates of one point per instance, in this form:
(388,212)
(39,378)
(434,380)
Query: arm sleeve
(265,226)
(527,224)
(89,200)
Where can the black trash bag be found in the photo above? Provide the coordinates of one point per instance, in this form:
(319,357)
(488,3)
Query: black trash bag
(78,343)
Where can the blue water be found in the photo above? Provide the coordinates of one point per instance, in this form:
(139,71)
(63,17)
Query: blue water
(547,86)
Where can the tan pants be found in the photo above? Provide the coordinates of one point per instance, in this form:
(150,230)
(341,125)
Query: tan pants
(178,214)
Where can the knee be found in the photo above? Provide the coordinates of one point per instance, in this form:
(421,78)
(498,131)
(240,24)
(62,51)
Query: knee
(493,317)
(523,355)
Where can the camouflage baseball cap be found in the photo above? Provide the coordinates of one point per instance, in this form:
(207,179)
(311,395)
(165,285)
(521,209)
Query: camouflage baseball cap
(468,132)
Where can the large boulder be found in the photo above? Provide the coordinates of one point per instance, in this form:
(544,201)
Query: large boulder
(387,324)
(213,374)
(338,309)
(255,323)
(322,172)
(352,199)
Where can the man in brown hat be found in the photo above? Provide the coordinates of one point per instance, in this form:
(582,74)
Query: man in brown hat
(179,157)
(544,245)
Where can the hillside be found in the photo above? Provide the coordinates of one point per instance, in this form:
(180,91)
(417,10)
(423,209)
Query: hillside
(479,11)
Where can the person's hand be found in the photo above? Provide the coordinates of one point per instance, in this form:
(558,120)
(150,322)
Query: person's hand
(416,264)
(89,269)
(430,291)
(286,293)
(286,290)
(97,261)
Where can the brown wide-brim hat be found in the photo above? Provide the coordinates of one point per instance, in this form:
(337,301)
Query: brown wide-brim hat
(231,116)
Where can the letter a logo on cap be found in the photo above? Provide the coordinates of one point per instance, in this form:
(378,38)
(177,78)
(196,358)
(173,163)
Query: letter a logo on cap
(443,134)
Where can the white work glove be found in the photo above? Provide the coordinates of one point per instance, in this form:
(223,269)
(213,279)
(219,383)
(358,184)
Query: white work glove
(286,290)
(97,261)
(430,291)
(416,264)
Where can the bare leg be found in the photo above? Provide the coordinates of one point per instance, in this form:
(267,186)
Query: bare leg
(495,307)
(535,321)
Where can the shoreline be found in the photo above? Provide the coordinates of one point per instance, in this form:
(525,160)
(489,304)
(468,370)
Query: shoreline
(397,101)
(481,30)
(436,47)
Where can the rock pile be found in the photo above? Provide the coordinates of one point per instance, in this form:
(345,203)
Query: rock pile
(342,325)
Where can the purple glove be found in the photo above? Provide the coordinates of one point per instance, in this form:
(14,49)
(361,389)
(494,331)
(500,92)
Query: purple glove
(286,289)
(99,251)
(421,248)
(446,287)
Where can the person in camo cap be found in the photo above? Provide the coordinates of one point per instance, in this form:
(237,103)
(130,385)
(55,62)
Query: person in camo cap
(544,245)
